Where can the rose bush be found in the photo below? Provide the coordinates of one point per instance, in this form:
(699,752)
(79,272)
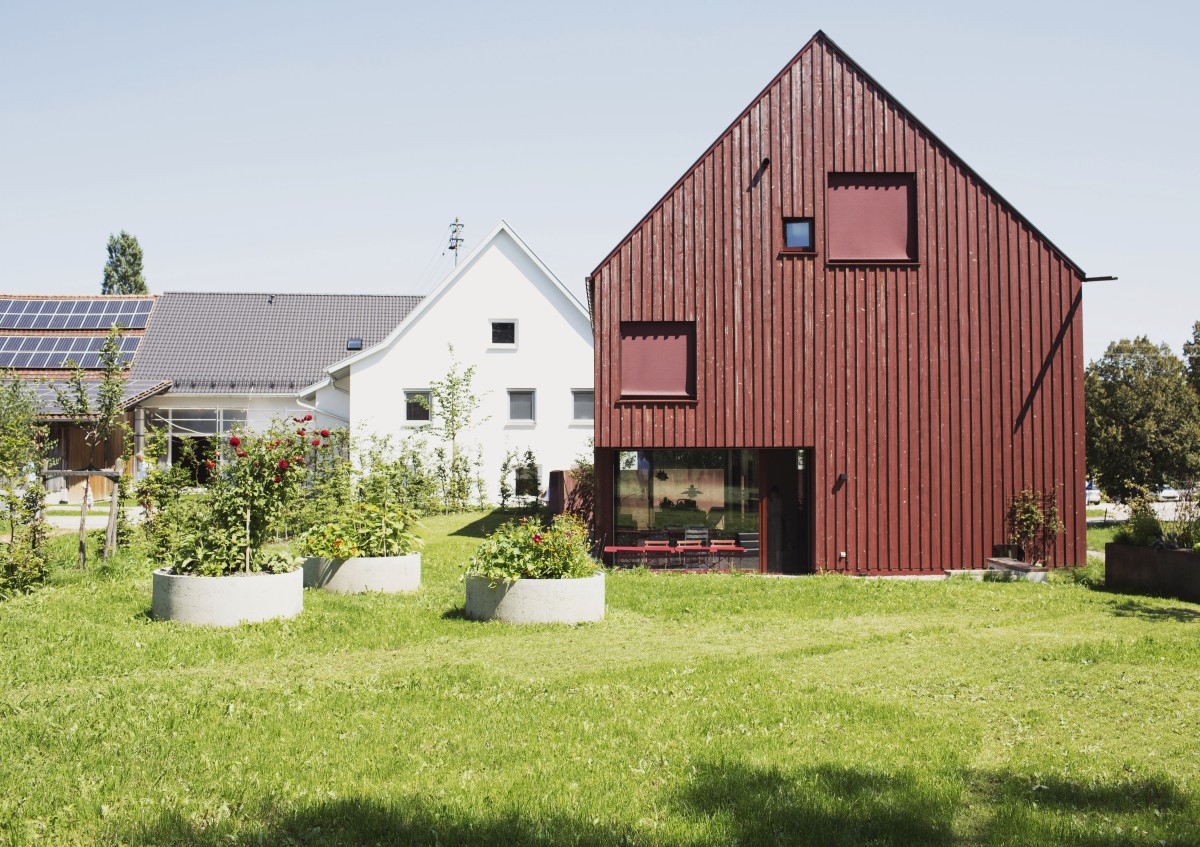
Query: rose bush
(365,529)
(526,549)
(254,478)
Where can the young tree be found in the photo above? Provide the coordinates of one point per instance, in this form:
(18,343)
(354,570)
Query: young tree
(99,417)
(454,407)
(23,449)
(1142,419)
(123,270)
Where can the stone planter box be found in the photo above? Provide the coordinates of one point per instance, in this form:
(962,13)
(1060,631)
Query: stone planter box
(389,574)
(536,600)
(1158,573)
(1019,569)
(226,600)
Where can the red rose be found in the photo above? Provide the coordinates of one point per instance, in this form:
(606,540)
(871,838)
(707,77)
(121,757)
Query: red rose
(279,479)
(283,463)
(324,433)
(297,420)
(316,442)
(211,464)
(234,441)
(537,538)
(241,454)
(308,417)
(300,432)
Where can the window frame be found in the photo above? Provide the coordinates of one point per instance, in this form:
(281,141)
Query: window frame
(428,412)
(502,345)
(591,418)
(812,234)
(532,419)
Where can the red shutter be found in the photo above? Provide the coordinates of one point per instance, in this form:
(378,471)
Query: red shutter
(658,359)
(871,217)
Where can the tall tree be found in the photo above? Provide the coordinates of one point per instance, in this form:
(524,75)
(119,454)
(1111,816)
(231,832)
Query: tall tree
(123,270)
(1191,358)
(1142,419)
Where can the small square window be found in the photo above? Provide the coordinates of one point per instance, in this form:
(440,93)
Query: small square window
(520,405)
(583,403)
(504,332)
(414,408)
(797,234)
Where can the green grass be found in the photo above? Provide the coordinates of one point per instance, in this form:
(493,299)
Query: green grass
(703,710)
(1098,536)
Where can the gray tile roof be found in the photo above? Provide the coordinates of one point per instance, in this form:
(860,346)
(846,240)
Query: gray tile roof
(259,343)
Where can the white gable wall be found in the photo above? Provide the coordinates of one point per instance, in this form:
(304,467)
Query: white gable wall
(553,356)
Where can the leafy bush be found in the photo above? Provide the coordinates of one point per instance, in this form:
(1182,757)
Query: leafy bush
(254,478)
(364,529)
(1142,527)
(527,549)
(1033,524)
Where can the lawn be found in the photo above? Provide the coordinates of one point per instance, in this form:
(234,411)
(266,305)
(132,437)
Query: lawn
(705,710)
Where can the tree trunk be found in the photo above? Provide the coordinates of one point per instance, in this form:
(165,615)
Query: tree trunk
(83,510)
(110,533)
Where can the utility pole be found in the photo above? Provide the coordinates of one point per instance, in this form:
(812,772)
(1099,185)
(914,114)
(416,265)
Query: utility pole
(456,239)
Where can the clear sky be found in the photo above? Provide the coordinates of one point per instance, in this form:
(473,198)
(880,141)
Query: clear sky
(326,146)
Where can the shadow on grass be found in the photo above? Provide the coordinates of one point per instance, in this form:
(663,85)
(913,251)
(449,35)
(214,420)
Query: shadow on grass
(458,613)
(485,524)
(737,803)
(1145,611)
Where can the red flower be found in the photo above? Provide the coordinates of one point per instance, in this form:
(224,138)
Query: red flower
(279,479)
(300,432)
(234,441)
(308,417)
(324,433)
(537,538)
(298,420)
(241,454)
(283,463)
(316,442)
(211,464)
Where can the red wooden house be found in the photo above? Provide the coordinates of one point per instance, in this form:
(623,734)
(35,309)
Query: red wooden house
(833,342)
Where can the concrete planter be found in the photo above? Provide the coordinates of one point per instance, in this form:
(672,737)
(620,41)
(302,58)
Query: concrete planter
(389,574)
(1158,573)
(226,600)
(536,600)
(1020,570)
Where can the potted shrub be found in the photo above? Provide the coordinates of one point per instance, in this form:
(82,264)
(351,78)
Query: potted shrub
(1033,528)
(216,567)
(527,573)
(368,547)
(1156,557)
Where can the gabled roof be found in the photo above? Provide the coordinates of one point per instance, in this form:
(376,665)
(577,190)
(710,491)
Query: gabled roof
(502,228)
(217,343)
(820,36)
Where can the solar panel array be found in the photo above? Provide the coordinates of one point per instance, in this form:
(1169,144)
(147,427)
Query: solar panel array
(74,314)
(40,351)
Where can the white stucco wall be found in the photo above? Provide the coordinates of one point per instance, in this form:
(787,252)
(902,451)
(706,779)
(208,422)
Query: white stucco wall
(261,409)
(552,356)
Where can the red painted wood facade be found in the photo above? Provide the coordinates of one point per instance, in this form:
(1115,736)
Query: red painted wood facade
(939,386)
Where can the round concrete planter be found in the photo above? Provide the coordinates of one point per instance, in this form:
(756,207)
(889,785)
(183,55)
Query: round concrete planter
(389,574)
(227,600)
(536,600)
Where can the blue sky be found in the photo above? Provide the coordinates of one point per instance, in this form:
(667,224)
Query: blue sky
(326,147)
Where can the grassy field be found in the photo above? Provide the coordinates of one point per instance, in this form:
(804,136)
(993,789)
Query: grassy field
(704,710)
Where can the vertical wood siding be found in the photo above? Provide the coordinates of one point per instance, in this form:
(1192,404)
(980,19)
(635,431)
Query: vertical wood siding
(939,388)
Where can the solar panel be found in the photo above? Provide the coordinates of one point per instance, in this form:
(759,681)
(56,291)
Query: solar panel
(74,314)
(55,352)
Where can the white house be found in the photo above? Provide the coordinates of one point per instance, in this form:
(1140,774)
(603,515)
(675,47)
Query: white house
(528,337)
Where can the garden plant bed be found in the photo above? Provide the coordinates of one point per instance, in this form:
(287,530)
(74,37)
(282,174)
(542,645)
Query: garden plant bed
(226,600)
(1147,570)
(702,710)
(536,600)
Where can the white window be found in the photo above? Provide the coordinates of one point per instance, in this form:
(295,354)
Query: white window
(583,404)
(521,405)
(417,405)
(504,333)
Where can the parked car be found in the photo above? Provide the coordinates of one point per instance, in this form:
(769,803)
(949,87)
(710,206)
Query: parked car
(1091,494)
(1167,493)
